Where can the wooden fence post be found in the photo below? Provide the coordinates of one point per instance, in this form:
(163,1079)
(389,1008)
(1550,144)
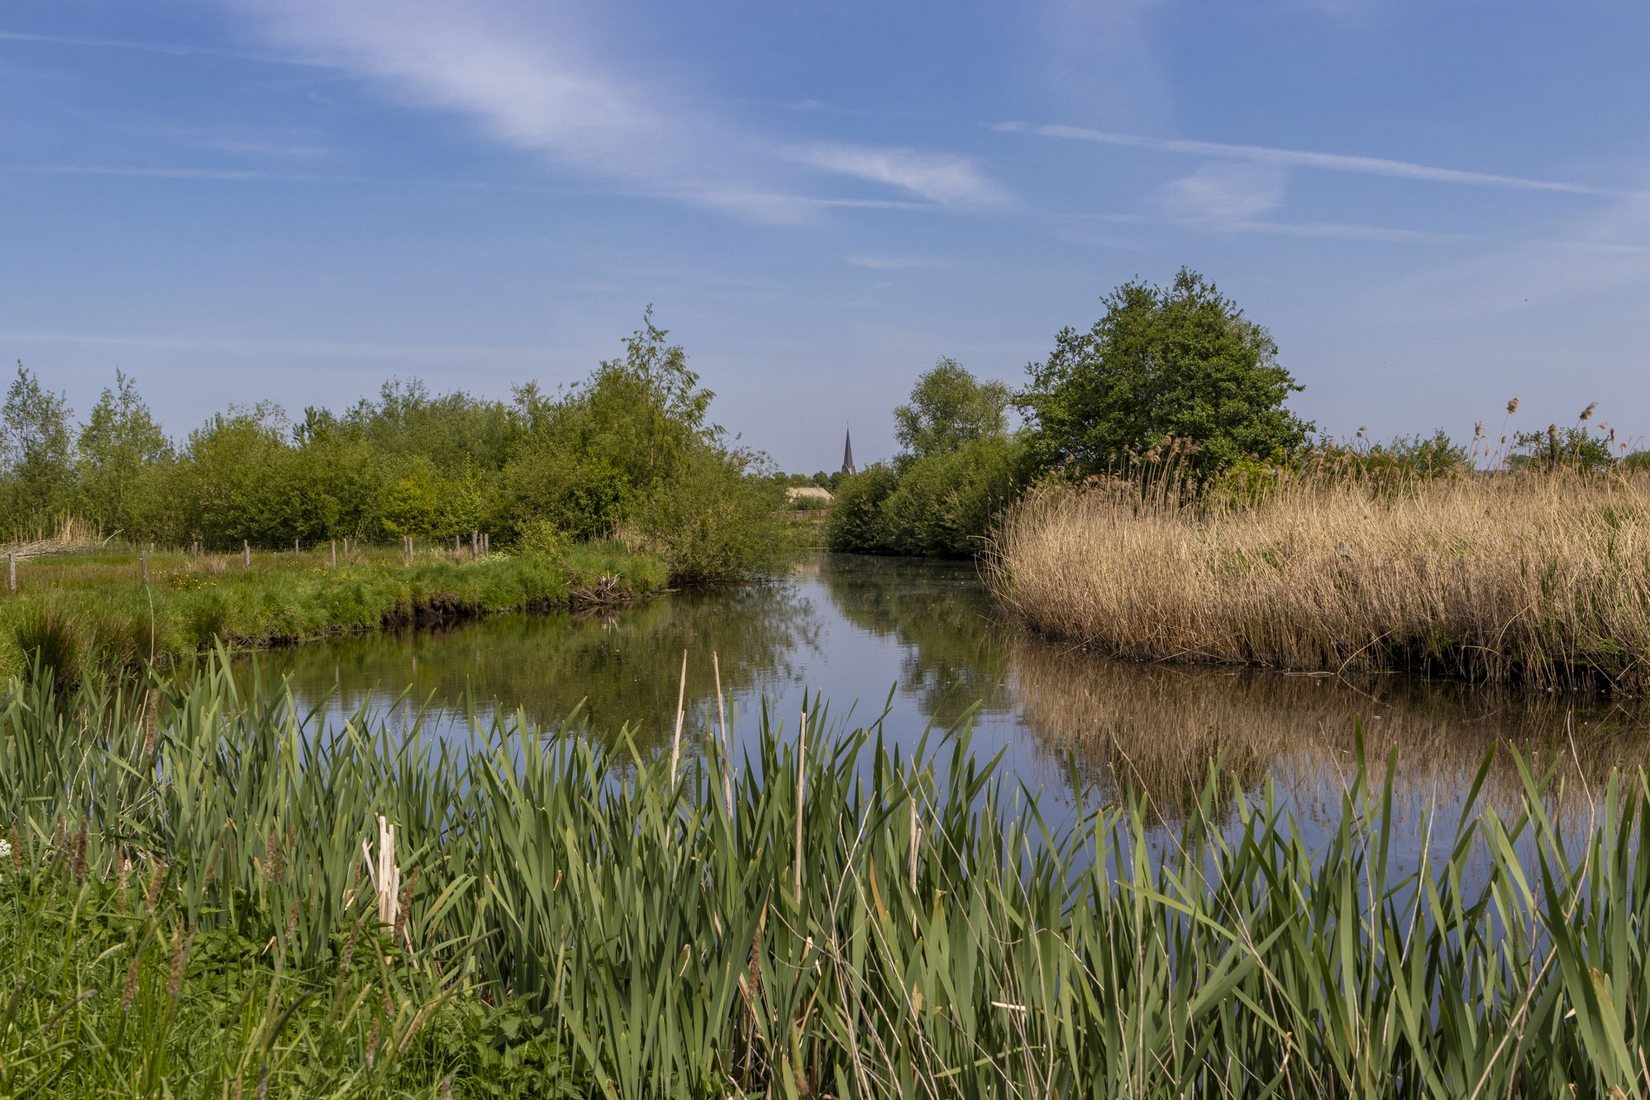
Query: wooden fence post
(11,571)
(335,553)
(144,556)
(246,556)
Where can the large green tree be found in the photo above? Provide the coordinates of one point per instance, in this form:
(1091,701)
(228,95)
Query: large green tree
(123,456)
(948,408)
(36,450)
(1179,363)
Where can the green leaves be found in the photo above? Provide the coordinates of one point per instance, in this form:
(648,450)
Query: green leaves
(583,916)
(1177,363)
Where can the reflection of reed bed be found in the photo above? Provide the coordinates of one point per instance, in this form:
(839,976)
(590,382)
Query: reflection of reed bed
(1157,729)
(1539,579)
(822,917)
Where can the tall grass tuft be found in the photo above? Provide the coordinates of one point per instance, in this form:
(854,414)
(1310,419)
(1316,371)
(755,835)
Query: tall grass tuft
(53,643)
(1537,578)
(828,915)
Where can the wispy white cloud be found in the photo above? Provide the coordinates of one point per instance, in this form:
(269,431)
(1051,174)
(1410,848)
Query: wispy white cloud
(1221,192)
(1306,158)
(1345,231)
(1102,57)
(940,177)
(531,77)
(1602,252)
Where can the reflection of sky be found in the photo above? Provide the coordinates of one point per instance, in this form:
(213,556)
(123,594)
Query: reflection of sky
(851,631)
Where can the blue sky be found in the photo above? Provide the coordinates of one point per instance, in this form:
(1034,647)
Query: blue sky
(1433,206)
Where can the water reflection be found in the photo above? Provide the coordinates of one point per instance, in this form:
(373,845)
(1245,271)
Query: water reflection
(852,628)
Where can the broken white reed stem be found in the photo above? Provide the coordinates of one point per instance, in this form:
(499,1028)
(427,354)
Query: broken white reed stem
(385,875)
(722,725)
(916,841)
(676,738)
(801,783)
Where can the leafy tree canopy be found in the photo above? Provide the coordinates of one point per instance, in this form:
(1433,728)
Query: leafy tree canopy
(1178,363)
(950,407)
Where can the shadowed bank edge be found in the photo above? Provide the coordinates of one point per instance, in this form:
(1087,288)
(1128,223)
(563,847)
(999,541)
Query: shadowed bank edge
(189,900)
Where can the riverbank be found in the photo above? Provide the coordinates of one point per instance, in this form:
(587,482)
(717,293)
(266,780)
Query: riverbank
(95,612)
(823,918)
(1540,579)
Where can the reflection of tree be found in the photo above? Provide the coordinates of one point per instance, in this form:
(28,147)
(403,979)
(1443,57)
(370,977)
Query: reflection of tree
(1155,729)
(624,664)
(955,656)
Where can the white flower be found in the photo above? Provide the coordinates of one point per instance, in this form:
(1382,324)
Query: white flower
(5,849)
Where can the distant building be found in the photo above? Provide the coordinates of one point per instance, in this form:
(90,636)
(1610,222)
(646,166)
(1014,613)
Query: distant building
(848,467)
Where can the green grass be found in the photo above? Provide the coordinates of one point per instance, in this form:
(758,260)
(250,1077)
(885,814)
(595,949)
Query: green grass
(112,991)
(824,916)
(93,612)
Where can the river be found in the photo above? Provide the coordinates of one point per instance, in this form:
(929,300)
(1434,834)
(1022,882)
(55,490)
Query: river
(923,641)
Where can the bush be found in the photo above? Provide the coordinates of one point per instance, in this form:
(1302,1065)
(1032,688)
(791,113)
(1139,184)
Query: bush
(855,523)
(713,521)
(945,504)
(540,536)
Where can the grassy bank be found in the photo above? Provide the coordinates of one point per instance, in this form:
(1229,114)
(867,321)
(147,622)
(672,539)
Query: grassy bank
(1537,578)
(94,612)
(827,918)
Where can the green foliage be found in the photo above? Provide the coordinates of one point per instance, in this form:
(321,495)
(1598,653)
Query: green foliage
(614,451)
(540,536)
(855,524)
(126,996)
(712,520)
(1420,456)
(945,503)
(949,408)
(1575,447)
(36,451)
(1177,363)
(100,617)
(123,463)
(823,916)
(1637,460)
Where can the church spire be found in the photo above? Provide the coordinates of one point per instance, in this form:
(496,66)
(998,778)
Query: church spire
(848,467)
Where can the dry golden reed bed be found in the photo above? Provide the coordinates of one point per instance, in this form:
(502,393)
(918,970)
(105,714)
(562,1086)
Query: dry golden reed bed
(1534,578)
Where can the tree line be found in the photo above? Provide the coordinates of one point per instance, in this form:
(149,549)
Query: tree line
(1169,375)
(629,451)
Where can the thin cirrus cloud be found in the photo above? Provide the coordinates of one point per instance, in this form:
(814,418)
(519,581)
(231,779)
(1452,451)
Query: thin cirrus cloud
(529,77)
(1223,192)
(1307,158)
(939,177)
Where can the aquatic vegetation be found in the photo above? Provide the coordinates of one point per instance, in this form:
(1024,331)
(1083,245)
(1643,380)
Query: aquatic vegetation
(1539,578)
(76,615)
(825,915)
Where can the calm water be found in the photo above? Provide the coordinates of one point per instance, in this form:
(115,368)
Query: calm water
(923,640)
